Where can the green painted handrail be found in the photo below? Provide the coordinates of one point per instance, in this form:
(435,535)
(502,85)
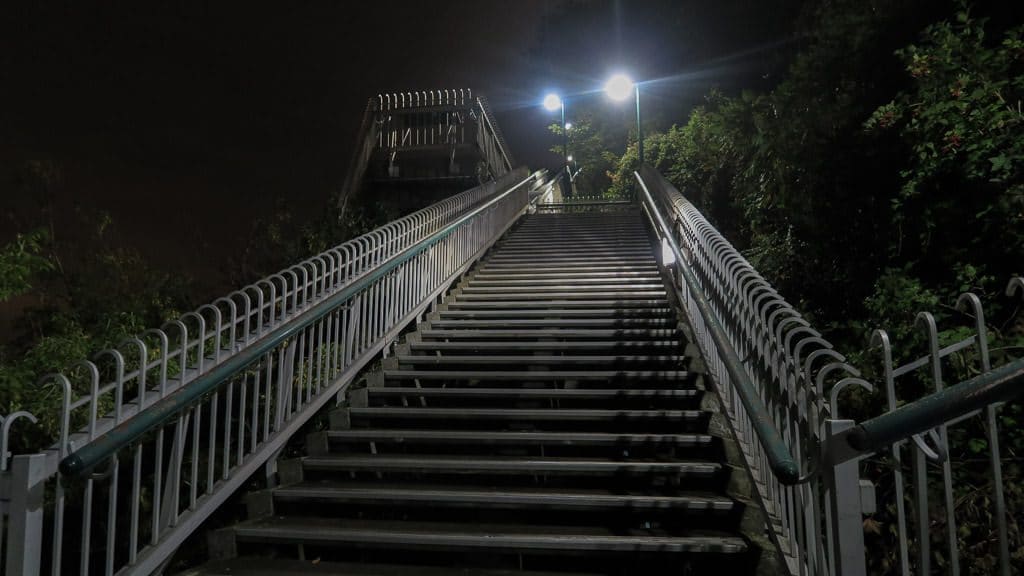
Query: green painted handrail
(782,463)
(999,385)
(102,448)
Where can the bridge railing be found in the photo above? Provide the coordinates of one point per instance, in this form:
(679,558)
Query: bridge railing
(929,485)
(768,363)
(433,118)
(155,435)
(780,380)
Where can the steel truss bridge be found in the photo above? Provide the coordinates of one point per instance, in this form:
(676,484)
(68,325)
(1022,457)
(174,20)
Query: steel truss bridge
(504,382)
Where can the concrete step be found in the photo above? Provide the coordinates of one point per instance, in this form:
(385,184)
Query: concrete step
(564,280)
(516,295)
(611,347)
(657,289)
(535,393)
(508,465)
(506,538)
(527,305)
(507,438)
(550,361)
(555,323)
(547,313)
(524,414)
(624,335)
(555,268)
(262,566)
(484,497)
(545,375)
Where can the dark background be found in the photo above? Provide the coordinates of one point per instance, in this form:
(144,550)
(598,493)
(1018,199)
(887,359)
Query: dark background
(186,121)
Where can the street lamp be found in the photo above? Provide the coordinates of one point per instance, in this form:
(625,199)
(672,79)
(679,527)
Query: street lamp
(618,88)
(554,102)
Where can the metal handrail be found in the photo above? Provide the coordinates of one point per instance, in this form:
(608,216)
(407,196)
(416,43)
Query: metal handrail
(130,430)
(999,385)
(781,462)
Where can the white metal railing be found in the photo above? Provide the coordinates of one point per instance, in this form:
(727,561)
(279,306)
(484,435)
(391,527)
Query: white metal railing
(817,522)
(922,505)
(181,416)
(783,357)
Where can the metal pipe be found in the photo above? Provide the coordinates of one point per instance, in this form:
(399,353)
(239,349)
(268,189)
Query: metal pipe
(1000,385)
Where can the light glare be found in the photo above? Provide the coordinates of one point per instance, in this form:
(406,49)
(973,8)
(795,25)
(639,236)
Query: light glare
(619,87)
(552,102)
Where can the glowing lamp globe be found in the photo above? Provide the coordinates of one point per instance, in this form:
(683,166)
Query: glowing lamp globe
(552,102)
(619,87)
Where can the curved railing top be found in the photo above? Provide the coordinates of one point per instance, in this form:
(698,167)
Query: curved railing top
(424,98)
(782,341)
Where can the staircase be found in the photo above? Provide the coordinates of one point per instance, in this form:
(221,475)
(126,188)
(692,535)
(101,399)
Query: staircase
(544,420)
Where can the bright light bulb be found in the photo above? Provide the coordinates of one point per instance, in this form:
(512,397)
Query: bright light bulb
(568,125)
(619,87)
(569,158)
(552,102)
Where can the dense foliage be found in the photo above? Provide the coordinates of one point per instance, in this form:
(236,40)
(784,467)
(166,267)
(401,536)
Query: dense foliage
(884,176)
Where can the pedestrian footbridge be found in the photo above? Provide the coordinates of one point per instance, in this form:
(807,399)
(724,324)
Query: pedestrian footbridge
(506,382)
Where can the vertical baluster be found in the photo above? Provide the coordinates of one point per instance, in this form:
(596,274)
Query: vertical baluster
(268,361)
(211,449)
(229,406)
(194,488)
(112,516)
(158,474)
(133,537)
(243,385)
(83,565)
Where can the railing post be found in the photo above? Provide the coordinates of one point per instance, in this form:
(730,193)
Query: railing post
(844,497)
(25,531)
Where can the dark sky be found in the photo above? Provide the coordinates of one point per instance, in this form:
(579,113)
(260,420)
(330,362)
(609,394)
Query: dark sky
(188,120)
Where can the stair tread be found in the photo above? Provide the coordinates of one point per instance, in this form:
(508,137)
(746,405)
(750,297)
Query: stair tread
(525,464)
(538,359)
(654,333)
(533,375)
(490,496)
(288,567)
(497,323)
(457,304)
(405,435)
(586,281)
(611,345)
(547,312)
(494,537)
(556,393)
(572,414)
(632,292)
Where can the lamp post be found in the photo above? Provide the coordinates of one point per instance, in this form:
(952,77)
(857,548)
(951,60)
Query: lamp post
(619,87)
(554,102)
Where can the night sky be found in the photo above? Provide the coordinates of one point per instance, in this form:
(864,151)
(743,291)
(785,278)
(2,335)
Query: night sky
(186,121)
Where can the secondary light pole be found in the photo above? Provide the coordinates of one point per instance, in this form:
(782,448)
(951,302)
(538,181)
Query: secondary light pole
(618,88)
(554,102)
